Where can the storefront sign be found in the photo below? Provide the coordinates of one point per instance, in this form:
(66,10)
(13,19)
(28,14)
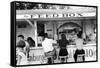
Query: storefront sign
(35,16)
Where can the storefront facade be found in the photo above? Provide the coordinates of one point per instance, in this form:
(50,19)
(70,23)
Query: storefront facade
(50,21)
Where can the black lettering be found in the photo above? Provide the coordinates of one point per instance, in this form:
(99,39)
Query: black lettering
(79,14)
(65,15)
(86,53)
(90,52)
(71,15)
(55,15)
(39,16)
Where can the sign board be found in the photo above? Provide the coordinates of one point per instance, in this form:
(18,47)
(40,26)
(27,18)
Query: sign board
(37,16)
(90,54)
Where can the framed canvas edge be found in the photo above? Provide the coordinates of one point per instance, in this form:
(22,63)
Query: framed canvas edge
(13,33)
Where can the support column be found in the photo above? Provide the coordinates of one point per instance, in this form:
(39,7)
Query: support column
(84,28)
(35,28)
(35,25)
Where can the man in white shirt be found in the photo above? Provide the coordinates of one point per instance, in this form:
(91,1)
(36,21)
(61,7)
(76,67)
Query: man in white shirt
(47,45)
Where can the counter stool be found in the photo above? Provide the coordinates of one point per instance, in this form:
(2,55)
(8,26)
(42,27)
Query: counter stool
(79,58)
(50,59)
(63,57)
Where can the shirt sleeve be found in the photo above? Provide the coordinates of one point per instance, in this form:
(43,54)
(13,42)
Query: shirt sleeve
(54,41)
(43,44)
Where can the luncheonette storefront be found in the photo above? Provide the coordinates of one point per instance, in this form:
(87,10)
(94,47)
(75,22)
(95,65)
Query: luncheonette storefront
(34,23)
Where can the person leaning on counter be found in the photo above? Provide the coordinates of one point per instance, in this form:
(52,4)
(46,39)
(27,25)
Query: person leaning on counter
(63,42)
(79,55)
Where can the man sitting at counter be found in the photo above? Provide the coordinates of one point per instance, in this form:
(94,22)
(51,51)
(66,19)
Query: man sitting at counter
(48,48)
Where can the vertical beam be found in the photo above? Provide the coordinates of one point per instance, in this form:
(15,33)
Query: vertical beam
(35,29)
(35,25)
(83,28)
(92,25)
(55,30)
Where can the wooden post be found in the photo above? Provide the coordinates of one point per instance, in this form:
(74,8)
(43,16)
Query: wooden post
(35,29)
(35,25)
